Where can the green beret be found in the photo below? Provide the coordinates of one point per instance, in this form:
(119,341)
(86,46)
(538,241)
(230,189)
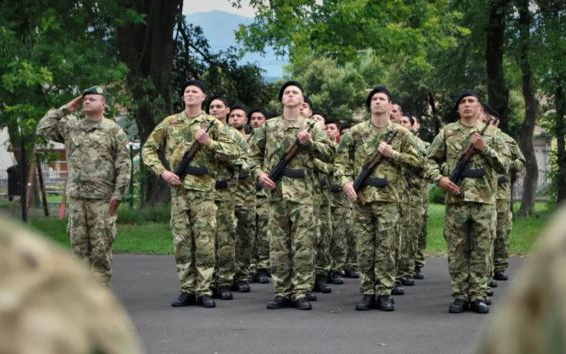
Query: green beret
(94,90)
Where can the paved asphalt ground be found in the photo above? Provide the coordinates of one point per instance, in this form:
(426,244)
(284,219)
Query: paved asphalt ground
(420,323)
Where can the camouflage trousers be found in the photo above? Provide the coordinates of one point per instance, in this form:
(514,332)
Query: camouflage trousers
(503,229)
(260,253)
(245,233)
(422,233)
(405,264)
(92,232)
(193,223)
(469,230)
(376,228)
(292,228)
(341,237)
(225,244)
(323,234)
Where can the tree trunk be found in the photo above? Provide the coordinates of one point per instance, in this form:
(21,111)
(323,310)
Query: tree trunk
(528,126)
(497,90)
(147,48)
(559,131)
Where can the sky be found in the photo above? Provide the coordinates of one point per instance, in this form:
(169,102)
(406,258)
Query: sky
(193,6)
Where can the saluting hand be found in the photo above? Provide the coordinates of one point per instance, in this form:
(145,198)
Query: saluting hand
(348,188)
(449,186)
(74,104)
(171,178)
(202,137)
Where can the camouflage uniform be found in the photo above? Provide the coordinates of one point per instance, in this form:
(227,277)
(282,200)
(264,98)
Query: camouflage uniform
(422,218)
(98,170)
(469,224)
(261,245)
(376,213)
(193,212)
(504,215)
(292,224)
(341,215)
(323,222)
(532,319)
(51,304)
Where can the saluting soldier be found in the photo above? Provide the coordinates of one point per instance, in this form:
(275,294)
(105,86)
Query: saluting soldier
(98,174)
(376,207)
(193,212)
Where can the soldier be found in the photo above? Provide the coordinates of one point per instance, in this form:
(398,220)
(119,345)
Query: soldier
(470,206)
(376,207)
(244,196)
(292,223)
(396,113)
(99,174)
(532,318)
(257,117)
(51,304)
(193,212)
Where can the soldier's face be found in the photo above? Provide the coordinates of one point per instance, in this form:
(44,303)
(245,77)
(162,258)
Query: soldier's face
(218,109)
(257,120)
(94,104)
(305,110)
(237,118)
(380,103)
(292,96)
(332,131)
(469,107)
(193,96)
(319,120)
(395,113)
(405,122)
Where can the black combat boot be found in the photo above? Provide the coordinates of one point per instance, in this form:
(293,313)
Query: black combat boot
(336,278)
(367,302)
(384,303)
(311,296)
(408,282)
(184,299)
(397,290)
(418,274)
(321,286)
(352,273)
(206,301)
(262,276)
(303,304)
(492,284)
(479,306)
(487,301)
(278,302)
(243,287)
(224,293)
(458,306)
(489,291)
(500,275)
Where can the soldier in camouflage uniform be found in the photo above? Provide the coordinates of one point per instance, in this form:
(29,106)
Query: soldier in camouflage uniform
(99,174)
(469,224)
(292,223)
(245,203)
(532,318)
(51,304)
(193,212)
(376,207)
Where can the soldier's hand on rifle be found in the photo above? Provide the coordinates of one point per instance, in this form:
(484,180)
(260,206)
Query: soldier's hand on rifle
(171,178)
(266,181)
(74,104)
(478,142)
(348,188)
(113,206)
(386,149)
(203,137)
(449,186)
(304,137)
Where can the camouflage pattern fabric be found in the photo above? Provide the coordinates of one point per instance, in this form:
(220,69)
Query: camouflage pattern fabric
(193,212)
(422,232)
(532,317)
(225,241)
(245,232)
(341,236)
(261,253)
(51,304)
(470,216)
(93,230)
(405,253)
(323,260)
(376,210)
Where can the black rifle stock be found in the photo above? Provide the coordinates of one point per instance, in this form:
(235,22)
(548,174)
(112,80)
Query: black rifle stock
(456,174)
(359,182)
(181,169)
(276,173)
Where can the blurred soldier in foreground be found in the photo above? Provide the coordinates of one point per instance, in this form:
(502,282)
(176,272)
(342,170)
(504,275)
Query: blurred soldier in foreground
(99,173)
(532,319)
(51,304)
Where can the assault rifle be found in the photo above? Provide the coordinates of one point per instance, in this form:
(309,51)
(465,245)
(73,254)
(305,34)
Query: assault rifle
(181,169)
(360,181)
(276,173)
(458,172)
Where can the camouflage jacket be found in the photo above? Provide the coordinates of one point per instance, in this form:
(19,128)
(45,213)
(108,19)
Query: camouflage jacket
(516,162)
(245,193)
(360,144)
(97,153)
(228,170)
(175,134)
(450,144)
(271,141)
(416,181)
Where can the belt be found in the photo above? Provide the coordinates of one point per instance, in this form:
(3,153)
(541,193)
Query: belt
(473,172)
(197,170)
(243,176)
(335,188)
(294,173)
(222,184)
(502,181)
(377,182)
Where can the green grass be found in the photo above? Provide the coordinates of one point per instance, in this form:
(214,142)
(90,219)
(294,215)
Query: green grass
(147,231)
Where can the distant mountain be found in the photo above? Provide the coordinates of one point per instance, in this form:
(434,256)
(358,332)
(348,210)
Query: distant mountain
(219,27)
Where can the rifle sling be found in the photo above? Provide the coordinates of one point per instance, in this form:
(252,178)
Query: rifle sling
(294,173)
(376,182)
(196,170)
(473,172)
